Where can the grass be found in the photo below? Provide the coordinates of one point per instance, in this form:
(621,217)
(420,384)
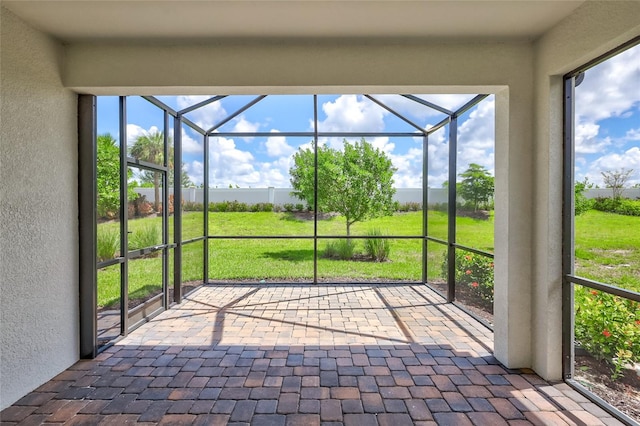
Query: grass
(287,259)
(606,249)
(377,248)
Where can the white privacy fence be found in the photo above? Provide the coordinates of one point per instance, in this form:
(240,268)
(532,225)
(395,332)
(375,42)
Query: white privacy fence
(281,196)
(633,193)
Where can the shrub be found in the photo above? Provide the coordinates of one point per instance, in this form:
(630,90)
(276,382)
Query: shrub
(414,206)
(342,249)
(140,207)
(439,207)
(608,327)
(411,206)
(190,206)
(108,244)
(262,207)
(237,206)
(582,203)
(148,235)
(377,248)
(474,271)
(622,206)
(288,207)
(300,207)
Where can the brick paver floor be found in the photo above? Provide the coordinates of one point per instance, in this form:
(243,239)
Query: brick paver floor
(304,355)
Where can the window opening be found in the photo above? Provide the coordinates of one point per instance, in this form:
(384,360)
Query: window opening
(218,185)
(601,288)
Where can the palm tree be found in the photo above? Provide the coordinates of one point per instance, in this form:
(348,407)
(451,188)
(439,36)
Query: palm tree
(149,147)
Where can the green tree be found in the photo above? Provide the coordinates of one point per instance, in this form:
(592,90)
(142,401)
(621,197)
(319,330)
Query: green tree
(476,186)
(150,147)
(108,176)
(356,182)
(581,202)
(616,180)
(302,175)
(146,178)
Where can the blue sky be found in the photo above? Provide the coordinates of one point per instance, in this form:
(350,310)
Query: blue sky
(265,161)
(607,129)
(608,118)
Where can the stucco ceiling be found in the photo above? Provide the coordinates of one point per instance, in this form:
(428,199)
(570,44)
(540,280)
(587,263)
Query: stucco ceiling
(148,20)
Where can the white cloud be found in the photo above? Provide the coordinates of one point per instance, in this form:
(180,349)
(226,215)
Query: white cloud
(206,116)
(438,156)
(242,125)
(414,109)
(191,145)
(230,165)
(609,89)
(586,139)
(632,135)
(409,169)
(352,113)
(277,146)
(195,170)
(476,137)
(628,160)
(134,131)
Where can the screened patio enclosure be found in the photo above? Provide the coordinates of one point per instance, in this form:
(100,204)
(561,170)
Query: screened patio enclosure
(191,190)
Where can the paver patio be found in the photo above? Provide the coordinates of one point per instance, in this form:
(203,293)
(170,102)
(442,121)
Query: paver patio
(305,355)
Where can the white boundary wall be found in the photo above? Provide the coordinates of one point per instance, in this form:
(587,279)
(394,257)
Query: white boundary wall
(280,196)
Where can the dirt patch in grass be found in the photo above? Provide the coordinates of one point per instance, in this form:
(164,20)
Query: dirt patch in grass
(623,393)
(307,215)
(474,214)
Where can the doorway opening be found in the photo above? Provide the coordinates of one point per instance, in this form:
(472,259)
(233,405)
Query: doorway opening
(299,189)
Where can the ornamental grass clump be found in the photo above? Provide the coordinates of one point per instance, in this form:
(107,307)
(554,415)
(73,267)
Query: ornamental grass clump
(341,249)
(147,235)
(108,244)
(377,249)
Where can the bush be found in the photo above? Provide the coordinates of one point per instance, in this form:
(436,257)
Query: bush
(474,271)
(622,206)
(608,327)
(237,206)
(262,207)
(140,207)
(377,248)
(411,206)
(221,206)
(439,207)
(190,206)
(108,244)
(582,203)
(342,249)
(148,235)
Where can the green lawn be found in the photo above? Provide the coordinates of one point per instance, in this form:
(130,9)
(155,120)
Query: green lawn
(290,259)
(607,249)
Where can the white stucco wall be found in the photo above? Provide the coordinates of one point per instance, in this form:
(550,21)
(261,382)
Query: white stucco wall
(594,29)
(38,236)
(38,149)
